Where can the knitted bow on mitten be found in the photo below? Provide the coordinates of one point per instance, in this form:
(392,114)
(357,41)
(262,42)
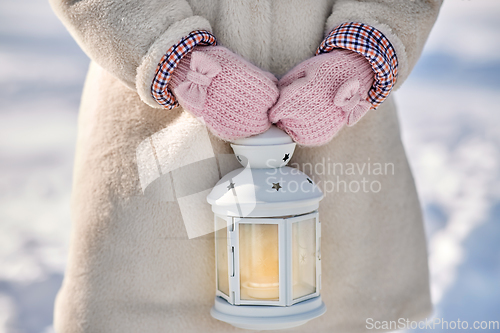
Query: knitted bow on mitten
(230,94)
(322,94)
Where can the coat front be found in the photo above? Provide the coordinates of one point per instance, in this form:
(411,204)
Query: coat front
(132,267)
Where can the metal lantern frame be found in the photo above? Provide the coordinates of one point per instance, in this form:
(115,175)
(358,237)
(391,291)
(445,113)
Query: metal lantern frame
(285,225)
(260,260)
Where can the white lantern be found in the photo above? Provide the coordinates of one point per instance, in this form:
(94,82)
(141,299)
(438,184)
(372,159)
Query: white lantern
(267,238)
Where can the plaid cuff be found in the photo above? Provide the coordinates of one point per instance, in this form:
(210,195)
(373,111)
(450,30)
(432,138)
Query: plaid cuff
(375,47)
(169,62)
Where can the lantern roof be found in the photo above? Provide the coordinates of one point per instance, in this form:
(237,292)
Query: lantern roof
(265,187)
(248,192)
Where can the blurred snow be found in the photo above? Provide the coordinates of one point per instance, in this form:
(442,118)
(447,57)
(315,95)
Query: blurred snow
(450,117)
(41,78)
(449,114)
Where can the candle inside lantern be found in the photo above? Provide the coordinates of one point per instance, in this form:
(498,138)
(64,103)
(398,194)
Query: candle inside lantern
(259,261)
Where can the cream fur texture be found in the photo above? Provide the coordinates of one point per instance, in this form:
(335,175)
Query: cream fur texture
(131,265)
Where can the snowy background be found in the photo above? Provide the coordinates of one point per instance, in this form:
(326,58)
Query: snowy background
(449,114)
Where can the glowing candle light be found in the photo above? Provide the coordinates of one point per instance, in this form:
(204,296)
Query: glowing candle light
(259,261)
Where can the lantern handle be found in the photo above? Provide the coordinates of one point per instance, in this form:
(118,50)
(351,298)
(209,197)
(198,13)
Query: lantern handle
(271,149)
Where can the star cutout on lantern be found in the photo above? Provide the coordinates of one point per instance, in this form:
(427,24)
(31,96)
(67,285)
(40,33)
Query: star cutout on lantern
(230,186)
(310,181)
(287,156)
(276,186)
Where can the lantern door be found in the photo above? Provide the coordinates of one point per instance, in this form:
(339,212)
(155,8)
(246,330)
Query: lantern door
(260,266)
(268,261)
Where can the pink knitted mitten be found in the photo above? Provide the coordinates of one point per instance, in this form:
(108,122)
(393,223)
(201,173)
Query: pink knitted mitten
(230,94)
(322,94)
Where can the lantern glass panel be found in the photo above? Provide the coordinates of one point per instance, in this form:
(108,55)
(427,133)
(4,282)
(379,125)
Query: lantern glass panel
(303,258)
(222,255)
(259,261)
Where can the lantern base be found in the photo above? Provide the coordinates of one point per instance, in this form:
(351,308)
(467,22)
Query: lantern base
(263,317)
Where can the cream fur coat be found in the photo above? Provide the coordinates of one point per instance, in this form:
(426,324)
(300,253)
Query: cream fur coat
(131,265)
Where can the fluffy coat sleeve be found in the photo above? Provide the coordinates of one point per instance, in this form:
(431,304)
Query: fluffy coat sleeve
(406,23)
(127,38)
